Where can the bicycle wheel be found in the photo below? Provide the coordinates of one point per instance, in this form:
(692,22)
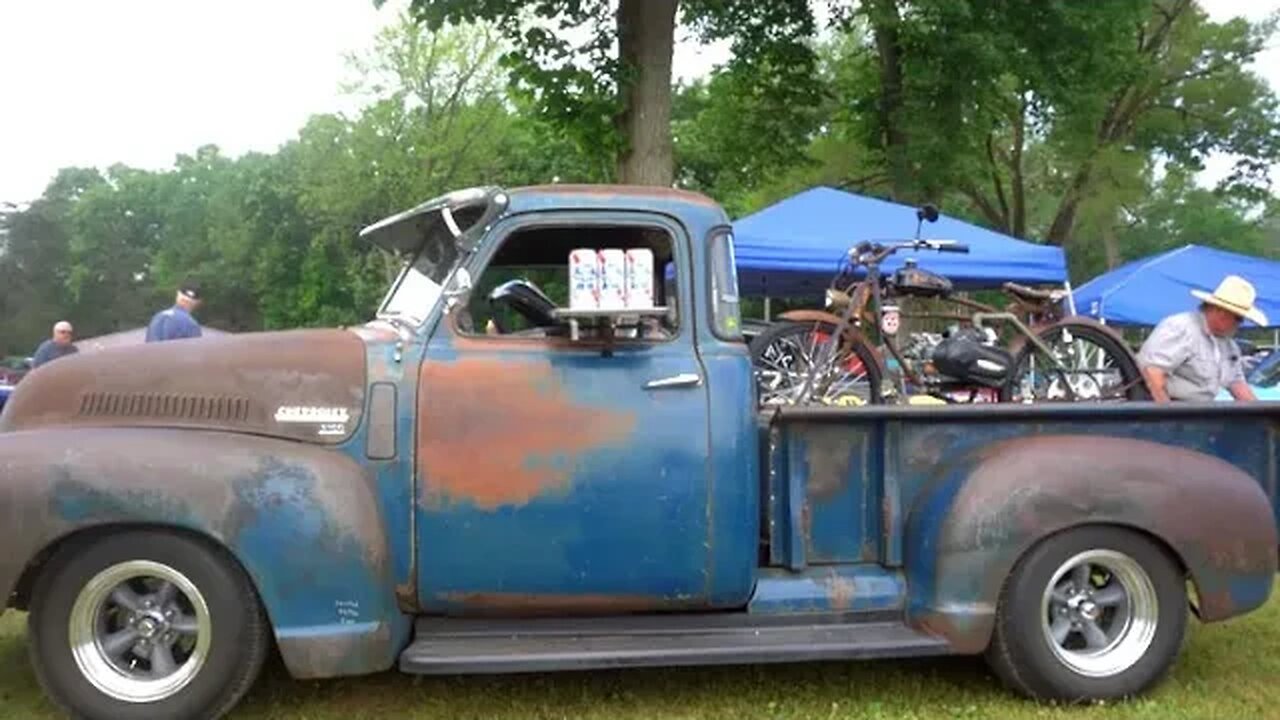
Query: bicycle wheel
(784,354)
(1094,366)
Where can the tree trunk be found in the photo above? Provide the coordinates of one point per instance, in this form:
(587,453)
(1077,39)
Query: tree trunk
(1109,246)
(884,22)
(646,39)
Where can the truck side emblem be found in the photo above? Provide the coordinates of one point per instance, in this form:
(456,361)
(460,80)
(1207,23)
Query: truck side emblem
(332,420)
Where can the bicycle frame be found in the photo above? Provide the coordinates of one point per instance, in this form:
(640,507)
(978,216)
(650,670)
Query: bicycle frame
(871,289)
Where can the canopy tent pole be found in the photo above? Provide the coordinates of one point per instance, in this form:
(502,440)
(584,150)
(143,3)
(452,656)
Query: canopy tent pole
(767,314)
(1071,297)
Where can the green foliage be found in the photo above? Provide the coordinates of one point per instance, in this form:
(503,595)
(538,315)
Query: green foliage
(273,237)
(564,59)
(1076,123)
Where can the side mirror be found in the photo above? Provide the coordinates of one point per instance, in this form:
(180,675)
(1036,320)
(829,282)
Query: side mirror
(927,212)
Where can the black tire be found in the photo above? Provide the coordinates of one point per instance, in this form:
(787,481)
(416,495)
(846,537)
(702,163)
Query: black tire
(237,627)
(1125,361)
(1023,654)
(759,345)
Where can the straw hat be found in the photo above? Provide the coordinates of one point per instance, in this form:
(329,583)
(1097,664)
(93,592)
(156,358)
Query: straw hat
(1236,295)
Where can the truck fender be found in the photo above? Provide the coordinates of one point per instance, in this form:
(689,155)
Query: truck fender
(304,523)
(982,512)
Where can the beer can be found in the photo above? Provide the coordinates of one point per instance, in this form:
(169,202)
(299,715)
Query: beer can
(613,276)
(639,279)
(584,279)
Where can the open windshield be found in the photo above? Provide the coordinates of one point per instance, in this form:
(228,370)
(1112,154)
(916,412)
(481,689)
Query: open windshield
(420,283)
(436,238)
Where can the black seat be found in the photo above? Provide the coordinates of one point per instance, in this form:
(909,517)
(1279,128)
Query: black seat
(1029,293)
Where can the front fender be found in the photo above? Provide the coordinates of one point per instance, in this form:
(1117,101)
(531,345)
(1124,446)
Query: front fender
(303,522)
(981,513)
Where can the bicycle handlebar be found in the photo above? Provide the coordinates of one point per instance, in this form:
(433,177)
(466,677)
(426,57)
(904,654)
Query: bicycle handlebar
(879,252)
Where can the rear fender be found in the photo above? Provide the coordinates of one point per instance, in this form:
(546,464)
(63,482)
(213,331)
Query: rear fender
(302,521)
(982,512)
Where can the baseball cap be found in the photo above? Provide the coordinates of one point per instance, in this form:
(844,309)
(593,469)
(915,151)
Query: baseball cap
(190,289)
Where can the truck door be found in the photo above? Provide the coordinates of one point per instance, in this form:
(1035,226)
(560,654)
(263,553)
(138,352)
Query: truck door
(553,475)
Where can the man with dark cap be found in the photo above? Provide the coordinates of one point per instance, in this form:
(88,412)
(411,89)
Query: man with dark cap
(177,322)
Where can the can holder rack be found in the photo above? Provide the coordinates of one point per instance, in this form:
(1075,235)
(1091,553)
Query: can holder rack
(607,320)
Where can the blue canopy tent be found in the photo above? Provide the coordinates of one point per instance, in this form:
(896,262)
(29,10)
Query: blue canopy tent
(793,247)
(1145,291)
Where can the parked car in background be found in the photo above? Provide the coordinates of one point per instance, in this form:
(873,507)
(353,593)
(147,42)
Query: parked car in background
(11,371)
(1264,378)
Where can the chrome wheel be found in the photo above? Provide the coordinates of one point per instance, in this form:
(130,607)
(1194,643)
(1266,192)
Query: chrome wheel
(1099,613)
(804,365)
(140,631)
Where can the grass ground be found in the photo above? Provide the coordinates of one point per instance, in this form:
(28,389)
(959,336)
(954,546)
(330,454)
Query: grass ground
(1227,670)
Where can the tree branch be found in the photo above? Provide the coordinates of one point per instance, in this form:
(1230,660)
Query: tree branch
(861,183)
(984,206)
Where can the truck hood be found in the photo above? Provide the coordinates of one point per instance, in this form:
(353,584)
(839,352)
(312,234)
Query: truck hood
(301,385)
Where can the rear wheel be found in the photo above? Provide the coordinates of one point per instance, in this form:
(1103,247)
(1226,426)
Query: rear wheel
(1090,614)
(784,354)
(1086,364)
(145,624)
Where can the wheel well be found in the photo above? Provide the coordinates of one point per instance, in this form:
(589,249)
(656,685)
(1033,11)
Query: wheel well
(21,598)
(1193,591)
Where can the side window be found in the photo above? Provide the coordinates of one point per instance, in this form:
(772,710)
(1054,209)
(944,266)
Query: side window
(528,277)
(726,316)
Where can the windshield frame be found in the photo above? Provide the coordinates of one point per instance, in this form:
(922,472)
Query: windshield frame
(440,215)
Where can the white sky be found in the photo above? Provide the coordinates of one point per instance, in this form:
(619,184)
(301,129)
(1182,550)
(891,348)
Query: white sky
(93,83)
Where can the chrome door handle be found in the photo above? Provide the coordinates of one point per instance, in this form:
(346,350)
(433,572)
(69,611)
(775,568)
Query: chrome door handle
(681,380)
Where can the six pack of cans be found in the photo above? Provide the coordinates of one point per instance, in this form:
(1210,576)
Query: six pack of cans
(611,279)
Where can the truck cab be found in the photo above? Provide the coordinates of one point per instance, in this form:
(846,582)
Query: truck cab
(478,481)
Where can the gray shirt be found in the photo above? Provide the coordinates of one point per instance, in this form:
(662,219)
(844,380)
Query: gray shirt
(1198,363)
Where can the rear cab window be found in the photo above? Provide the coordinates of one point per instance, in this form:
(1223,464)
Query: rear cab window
(726,315)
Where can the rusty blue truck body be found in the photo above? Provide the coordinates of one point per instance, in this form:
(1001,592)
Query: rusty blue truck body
(413,492)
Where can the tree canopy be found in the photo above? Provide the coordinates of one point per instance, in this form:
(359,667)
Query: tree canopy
(1083,126)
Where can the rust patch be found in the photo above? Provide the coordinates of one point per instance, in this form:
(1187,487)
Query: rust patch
(828,456)
(232,383)
(966,634)
(502,433)
(407,595)
(337,655)
(530,604)
(841,591)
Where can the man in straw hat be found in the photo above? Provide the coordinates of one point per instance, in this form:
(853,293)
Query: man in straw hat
(1191,356)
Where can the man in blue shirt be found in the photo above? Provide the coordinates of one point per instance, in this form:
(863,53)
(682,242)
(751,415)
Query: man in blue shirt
(55,347)
(176,322)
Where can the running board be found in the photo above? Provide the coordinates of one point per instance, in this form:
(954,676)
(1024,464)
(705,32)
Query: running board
(454,646)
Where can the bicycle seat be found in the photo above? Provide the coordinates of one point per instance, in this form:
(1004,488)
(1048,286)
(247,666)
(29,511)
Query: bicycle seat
(1029,293)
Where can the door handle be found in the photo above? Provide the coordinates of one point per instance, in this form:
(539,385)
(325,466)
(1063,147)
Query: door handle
(675,381)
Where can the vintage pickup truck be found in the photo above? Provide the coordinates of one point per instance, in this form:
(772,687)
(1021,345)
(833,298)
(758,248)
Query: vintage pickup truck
(467,485)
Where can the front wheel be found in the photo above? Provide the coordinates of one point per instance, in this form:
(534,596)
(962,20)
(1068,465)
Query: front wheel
(145,624)
(784,356)
(1095,613)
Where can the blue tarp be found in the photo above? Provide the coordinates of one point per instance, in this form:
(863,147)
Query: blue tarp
(793,248)
(1146,291)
